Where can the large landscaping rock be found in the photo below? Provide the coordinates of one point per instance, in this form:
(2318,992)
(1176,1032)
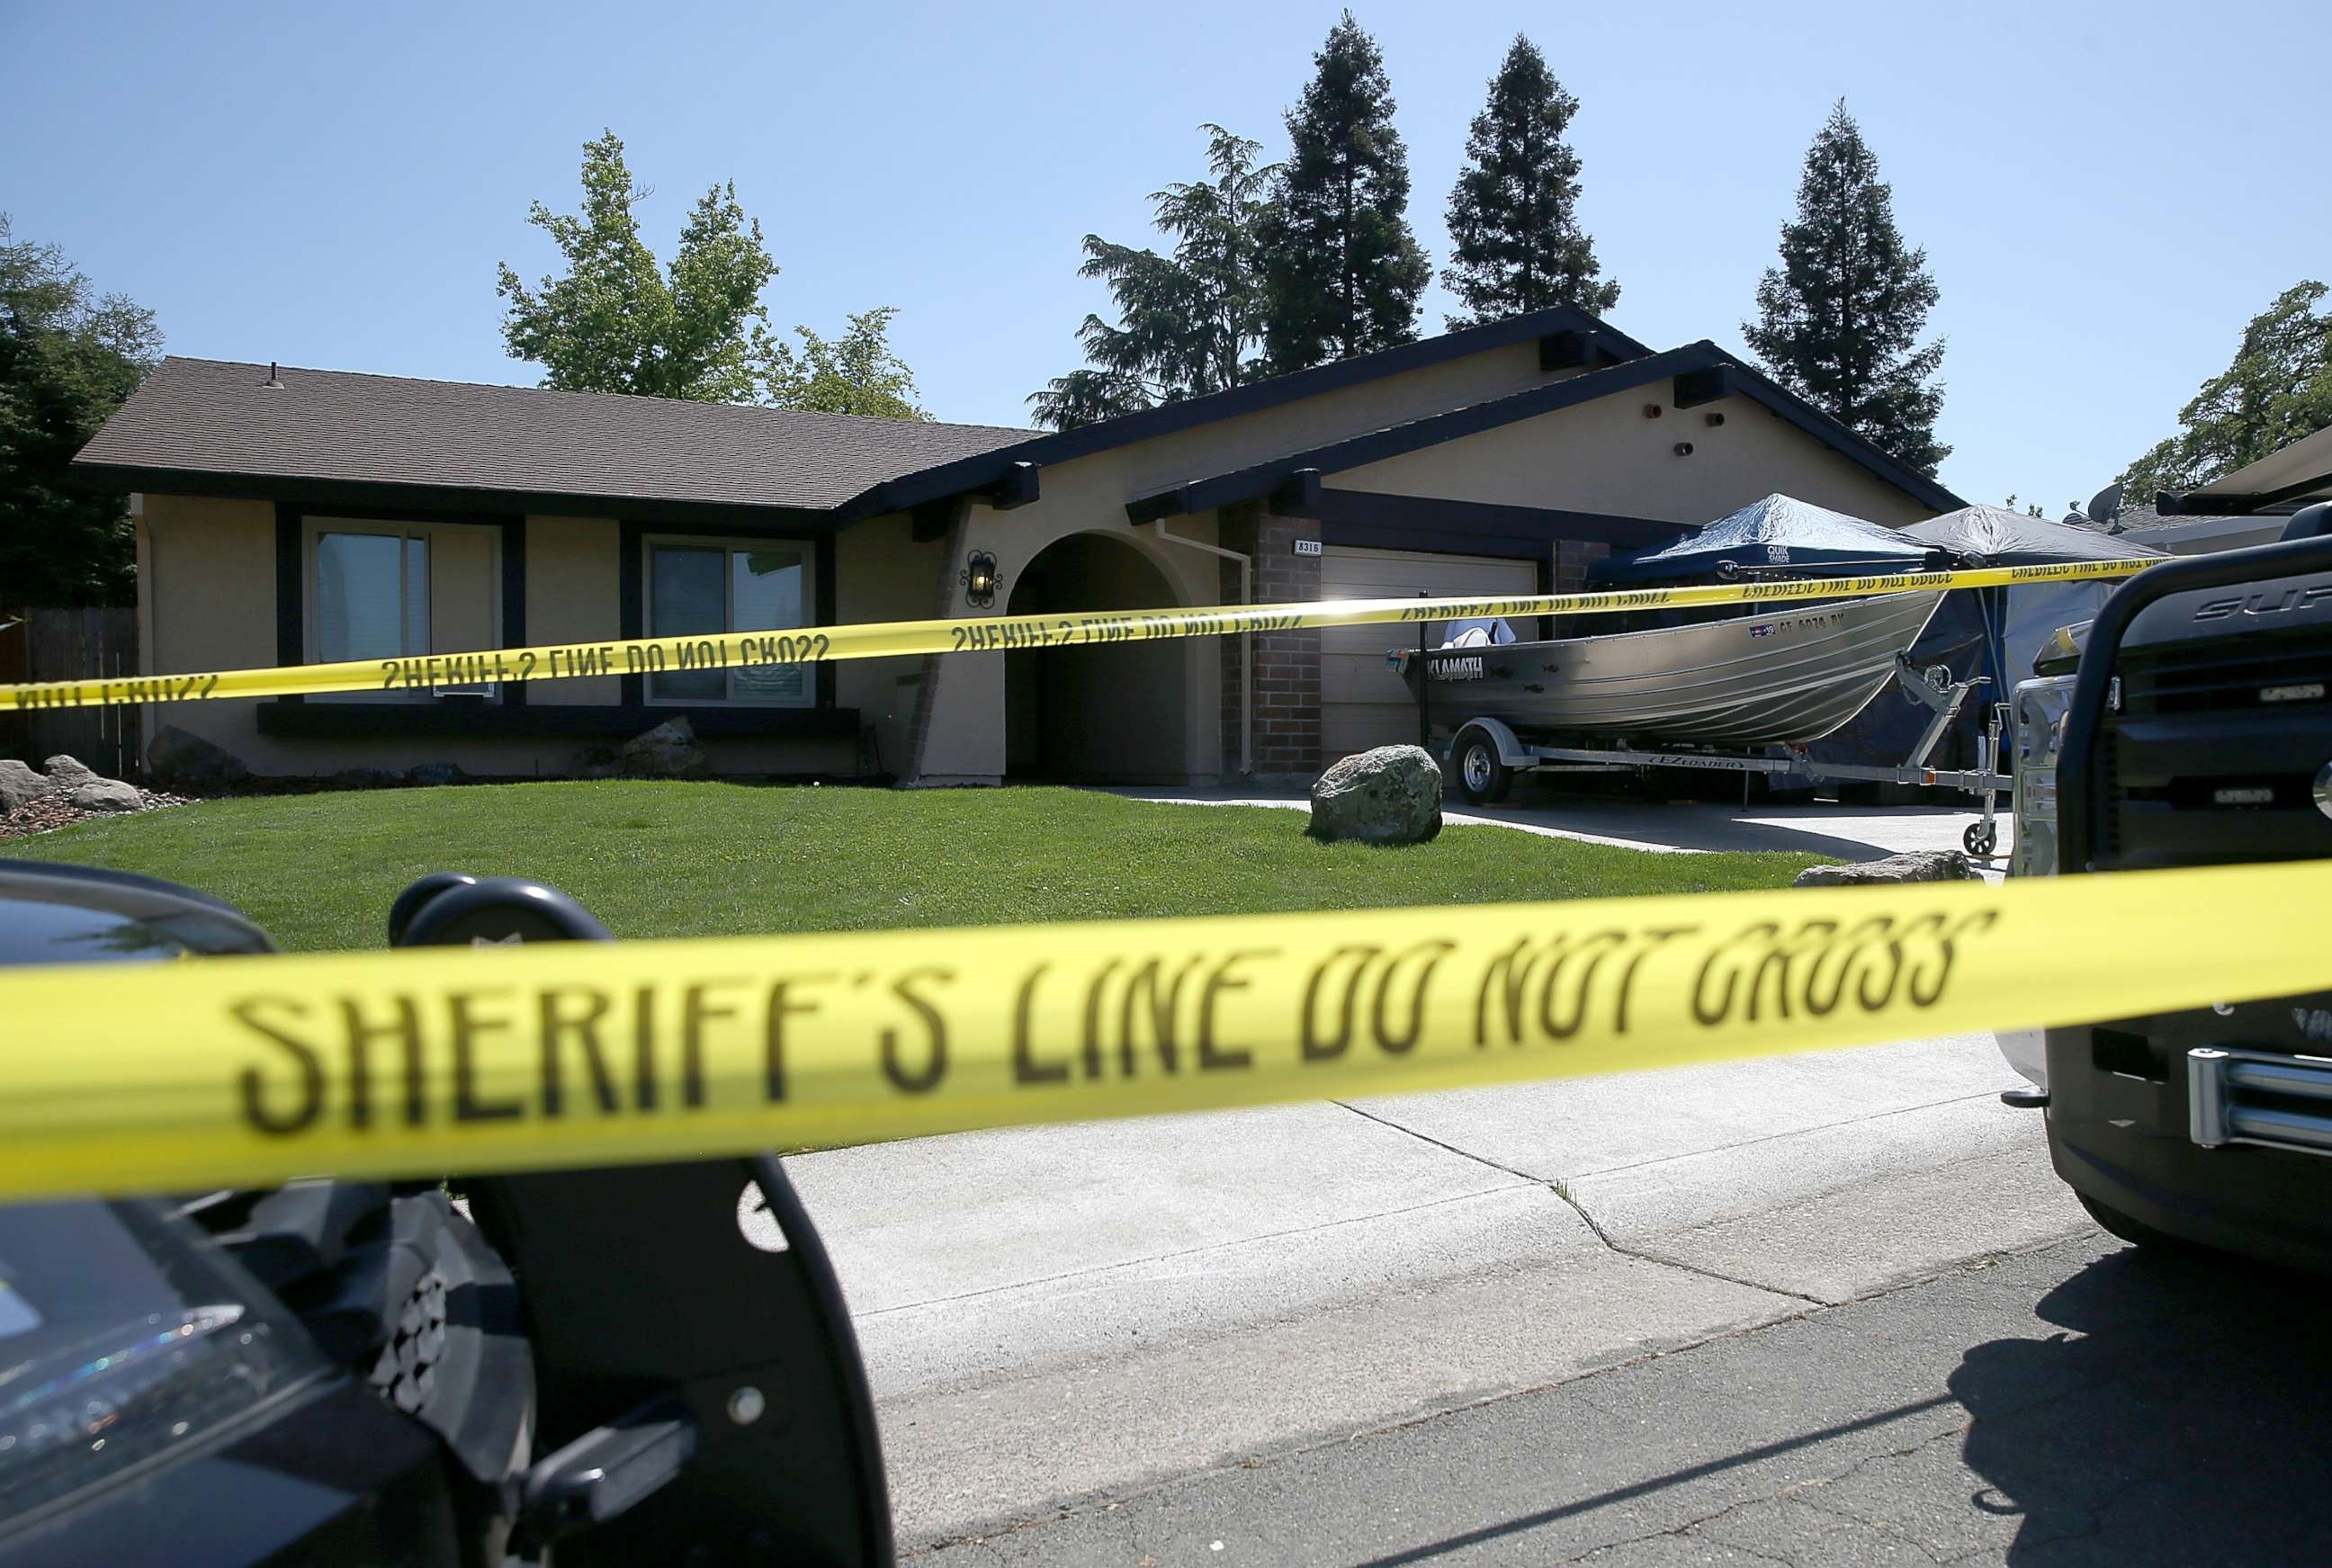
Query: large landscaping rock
(18,784)
(376,777)
(1916,866)
(108,795)
(597,761)
(67,774)
(670,751)
(186,762)
(1391,795)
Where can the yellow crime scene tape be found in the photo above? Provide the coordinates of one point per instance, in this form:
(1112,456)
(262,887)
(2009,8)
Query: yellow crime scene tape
(246,1071)
(976,635)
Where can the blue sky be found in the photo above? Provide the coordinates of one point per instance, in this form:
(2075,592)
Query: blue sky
(2105,191)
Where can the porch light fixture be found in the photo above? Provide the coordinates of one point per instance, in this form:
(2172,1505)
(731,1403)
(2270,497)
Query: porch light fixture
(979,579)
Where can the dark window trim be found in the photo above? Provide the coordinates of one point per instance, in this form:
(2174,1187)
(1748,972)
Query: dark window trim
(631,582)
(291,574)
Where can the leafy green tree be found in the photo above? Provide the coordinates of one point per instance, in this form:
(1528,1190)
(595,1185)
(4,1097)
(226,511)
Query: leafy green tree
(856,373)
(69,356)
(1516,245)
(1187,324)
(1342,270)
(616,322)
(1839,318)
(2279,390)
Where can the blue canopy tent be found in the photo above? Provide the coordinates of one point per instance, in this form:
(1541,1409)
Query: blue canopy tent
(1779,535)
(2018,618)
(1989,632)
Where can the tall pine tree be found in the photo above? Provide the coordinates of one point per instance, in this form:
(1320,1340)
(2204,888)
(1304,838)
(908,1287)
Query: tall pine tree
(1342,270)
(1839,318)
(1513,219)
(1188,324)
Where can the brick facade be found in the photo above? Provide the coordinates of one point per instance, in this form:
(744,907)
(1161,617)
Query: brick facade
(1286,664)
(1572,559)
(927,680)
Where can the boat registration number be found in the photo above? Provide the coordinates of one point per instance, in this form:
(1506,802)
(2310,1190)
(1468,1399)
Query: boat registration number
(1797,624)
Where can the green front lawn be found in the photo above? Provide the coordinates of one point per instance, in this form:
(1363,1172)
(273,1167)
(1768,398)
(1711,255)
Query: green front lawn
(662,859)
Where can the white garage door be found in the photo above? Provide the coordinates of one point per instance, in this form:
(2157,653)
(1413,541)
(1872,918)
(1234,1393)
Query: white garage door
(1362,703)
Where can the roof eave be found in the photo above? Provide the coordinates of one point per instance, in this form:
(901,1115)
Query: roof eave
(122,479)
(1606,344)
(1704,371)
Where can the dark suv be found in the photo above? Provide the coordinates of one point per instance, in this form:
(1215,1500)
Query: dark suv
(2200,733)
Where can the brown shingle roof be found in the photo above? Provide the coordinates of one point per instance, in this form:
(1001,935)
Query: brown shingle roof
(211,417)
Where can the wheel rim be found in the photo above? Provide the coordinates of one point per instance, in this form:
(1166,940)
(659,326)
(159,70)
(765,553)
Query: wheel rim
(1477,767)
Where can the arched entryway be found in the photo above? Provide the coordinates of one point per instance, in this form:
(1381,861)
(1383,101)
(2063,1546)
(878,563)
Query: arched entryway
(1113,714)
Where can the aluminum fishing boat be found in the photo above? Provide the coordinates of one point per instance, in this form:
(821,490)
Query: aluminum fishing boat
(1784,677)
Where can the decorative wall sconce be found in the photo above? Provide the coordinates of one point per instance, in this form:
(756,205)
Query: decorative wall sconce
(979,578)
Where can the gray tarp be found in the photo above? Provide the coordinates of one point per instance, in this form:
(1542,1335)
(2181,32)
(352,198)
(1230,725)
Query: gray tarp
(1780,534)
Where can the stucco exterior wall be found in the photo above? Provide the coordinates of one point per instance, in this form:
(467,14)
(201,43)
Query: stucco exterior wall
(206,601)
(882,574)
(1224,445)
(964,739)
(1606,456)
(571,583)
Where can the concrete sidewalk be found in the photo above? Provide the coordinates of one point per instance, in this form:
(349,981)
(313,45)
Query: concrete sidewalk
(1056,1313)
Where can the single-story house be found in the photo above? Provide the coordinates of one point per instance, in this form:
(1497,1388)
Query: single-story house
(2235,510)
(287,515)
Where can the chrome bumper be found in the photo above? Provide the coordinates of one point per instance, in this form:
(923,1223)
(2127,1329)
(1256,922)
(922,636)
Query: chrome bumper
(2254,1098)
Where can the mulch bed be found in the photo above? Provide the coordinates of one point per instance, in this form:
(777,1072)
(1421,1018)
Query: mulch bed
(47,813)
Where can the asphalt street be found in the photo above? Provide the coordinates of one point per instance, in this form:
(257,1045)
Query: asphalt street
(1052,1316)
(2078,1403)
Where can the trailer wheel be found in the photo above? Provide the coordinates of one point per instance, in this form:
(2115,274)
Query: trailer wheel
(1980,839)
(1482,777)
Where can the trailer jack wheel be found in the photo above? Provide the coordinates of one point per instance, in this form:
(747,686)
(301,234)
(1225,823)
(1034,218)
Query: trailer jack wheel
(1980,838)
(1482,777)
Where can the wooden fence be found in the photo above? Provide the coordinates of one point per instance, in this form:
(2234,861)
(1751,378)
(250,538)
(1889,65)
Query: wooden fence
(64,645)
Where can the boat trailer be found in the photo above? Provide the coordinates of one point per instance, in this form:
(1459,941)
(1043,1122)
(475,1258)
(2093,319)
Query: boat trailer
(1487,755)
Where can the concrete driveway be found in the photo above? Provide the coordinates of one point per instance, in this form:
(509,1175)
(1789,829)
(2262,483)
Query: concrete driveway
(1687,826)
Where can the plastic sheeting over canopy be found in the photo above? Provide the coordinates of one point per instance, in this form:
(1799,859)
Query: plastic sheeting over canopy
(1989,632)
(1780,535)
(1993,536)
